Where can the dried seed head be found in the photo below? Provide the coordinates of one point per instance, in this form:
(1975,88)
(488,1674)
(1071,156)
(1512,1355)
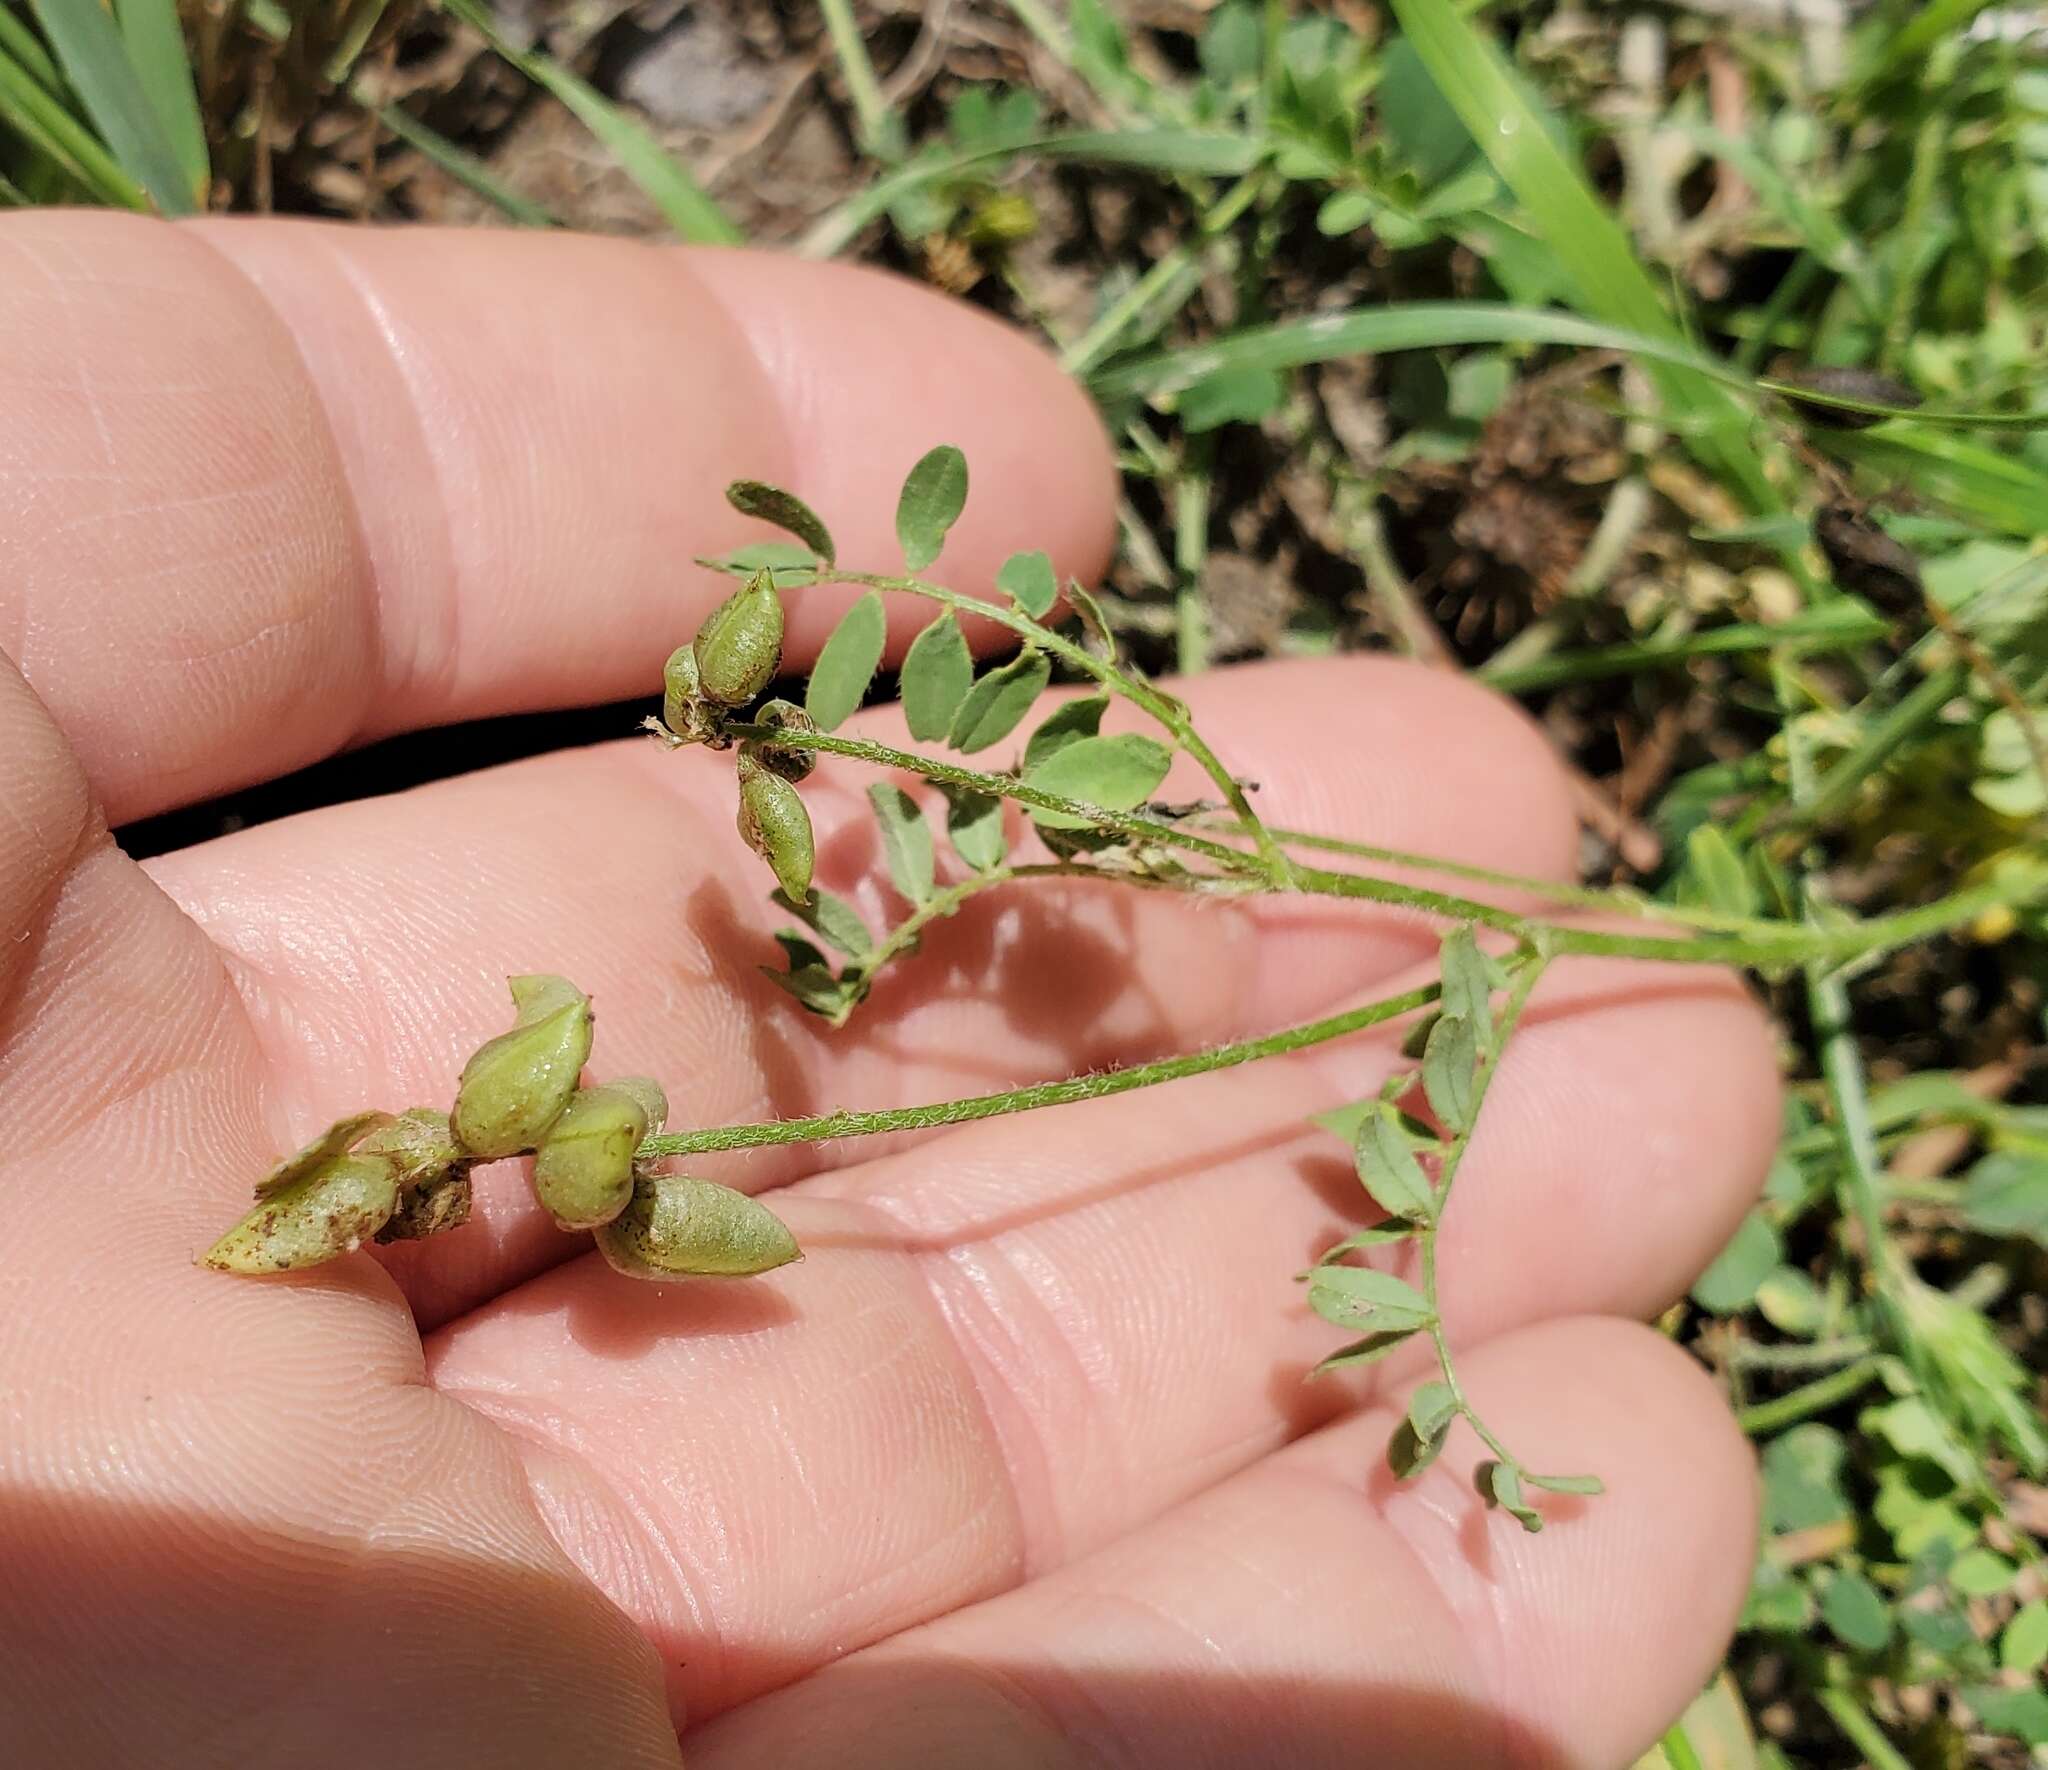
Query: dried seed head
(440,1205)
(517,1084)
(676,1226)
(740,644)
(1847,383)
(326,1210)
(583,1170)
(775,825)
(789,761)
(1866,561)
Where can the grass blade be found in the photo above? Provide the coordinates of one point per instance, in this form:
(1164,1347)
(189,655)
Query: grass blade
(465,169)
(156,51)
(689,211)
(2001,490)
(17,40)
(27,107)
(1588,241)
(1194,152)
(94,60)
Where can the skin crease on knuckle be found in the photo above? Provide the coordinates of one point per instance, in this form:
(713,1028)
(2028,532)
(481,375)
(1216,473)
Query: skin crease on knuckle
(404,1510)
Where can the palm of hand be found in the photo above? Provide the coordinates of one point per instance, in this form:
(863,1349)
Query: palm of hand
(1017,1467)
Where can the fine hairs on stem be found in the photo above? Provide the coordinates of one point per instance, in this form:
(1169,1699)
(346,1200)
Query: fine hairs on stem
(602,1152)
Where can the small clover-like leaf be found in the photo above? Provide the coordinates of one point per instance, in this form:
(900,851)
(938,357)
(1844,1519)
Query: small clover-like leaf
(1117,773)
(793,566)
(811,979)
(1432,1408)
(1379,1235)
(1500,1485)
(1450,1067)
(1468,984)
(906,841)
(1388,1169)
(1418,1439)
(937,673)
(1369,1350)
(998,701)
(1362,1297)
(974,823)
(846,665)
(1063,726)
(1029,581)
(1579,1484)
(933,496)
(785,510)
(833,920)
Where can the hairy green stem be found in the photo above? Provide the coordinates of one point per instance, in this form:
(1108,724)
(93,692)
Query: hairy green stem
(1454,1156)
(1155,702)
(828,1126)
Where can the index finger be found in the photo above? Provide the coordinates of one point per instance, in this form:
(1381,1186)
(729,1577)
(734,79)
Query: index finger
(270,488)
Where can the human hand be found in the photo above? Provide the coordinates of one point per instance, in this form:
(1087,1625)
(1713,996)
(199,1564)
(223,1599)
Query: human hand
(1017,1469)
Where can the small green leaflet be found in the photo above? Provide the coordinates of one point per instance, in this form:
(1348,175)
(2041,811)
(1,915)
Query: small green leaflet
(1469,983)
(1388,1169)
(1579,1484)
(906,841)
(839,680)
(1360,1297)
(1369,1350)
(974,823)
(1499,1485)
(1117,773)
(1067,725)
(1729,1285)
(833,920)
(1450,1064)
(1854,1610)
(788,512)
(934,494)
(1379,1235)
(792,565)
(937,673)
(809,977)
(1028,580)
(999,700)
(1418,1438)
(1714,877)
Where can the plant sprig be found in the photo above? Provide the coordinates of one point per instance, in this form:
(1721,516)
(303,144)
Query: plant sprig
(1088,799)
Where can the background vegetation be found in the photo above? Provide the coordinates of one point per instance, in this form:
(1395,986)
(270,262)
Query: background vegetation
(1440,327)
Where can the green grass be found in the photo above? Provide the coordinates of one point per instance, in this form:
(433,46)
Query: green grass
(1461,176)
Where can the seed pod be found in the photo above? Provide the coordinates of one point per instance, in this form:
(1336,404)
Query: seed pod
(1847,383)
(338,1139)
(326,1210)
(676,1227)
(775,825)
(789,761)
(517,1084)
(583,1170)
(740,644)
(1865,560)
(420,1144)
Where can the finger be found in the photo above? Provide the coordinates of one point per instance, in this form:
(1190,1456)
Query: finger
(622,868)
(1311,1613)
(268,488)
(1035,1337)
(229,1508)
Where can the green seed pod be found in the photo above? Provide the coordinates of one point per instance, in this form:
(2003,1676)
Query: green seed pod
(326,1210)
(338,1139)
(740,645)
(787,760)
(678,1227)
(517,1084)
(420,1144)
(653,1102)
(775,825)
(583,1170)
